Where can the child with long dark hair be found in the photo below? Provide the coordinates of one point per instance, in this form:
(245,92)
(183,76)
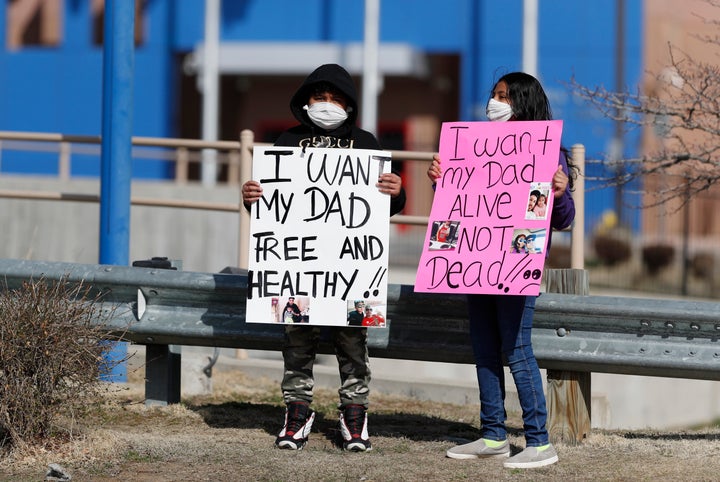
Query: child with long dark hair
(500,325)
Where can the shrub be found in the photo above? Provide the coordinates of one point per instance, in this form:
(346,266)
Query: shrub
(560,257)
(702,265)
(657,257)
(51,356)
(611,250)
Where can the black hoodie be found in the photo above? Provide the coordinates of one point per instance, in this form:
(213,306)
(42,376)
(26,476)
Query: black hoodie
(348,135)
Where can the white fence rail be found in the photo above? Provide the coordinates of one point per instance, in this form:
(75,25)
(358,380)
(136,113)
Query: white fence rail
(237,155)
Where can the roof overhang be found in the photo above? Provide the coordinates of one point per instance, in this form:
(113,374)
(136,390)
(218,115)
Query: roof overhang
(301,58)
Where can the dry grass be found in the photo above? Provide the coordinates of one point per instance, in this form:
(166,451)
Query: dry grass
(229,436)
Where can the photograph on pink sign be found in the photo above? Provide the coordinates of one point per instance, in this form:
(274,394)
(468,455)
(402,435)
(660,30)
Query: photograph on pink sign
(443,235)
(538,198)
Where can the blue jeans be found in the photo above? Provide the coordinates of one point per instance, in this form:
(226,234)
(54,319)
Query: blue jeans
(500,326)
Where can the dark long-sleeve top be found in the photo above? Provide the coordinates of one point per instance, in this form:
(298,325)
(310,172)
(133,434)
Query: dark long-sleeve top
(563,211)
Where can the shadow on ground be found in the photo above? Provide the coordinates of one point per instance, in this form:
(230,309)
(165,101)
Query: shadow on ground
(268,417)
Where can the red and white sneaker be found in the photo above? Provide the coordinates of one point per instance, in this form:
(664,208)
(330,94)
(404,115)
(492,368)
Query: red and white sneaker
(298,422)
(353,427)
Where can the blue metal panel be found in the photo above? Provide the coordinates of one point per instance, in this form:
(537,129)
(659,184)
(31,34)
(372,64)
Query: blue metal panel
(431,26)
(77,27)
(497,29)
(301,21)
(3,27)
(188,23)
(581,43)
(424,23)
(58,89)
(471,60)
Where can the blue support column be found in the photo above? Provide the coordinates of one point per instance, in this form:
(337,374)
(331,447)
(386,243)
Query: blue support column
(116,164)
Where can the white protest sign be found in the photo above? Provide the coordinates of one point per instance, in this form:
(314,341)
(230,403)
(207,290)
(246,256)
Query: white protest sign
(318,237)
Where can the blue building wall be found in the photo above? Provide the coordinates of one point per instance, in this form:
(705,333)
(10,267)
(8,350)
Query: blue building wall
(60,89)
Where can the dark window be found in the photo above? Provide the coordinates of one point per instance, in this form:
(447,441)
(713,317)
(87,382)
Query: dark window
(98,19)
(33,22)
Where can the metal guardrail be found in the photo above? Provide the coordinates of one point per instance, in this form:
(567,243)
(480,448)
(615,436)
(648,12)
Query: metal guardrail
(574,333)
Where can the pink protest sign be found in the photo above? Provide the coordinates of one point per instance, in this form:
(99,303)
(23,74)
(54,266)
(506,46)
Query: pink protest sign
(490,217)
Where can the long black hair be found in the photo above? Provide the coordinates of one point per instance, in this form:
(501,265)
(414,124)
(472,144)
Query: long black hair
(529,102)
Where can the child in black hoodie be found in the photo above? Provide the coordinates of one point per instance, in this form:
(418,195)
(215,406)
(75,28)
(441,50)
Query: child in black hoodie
(326,107)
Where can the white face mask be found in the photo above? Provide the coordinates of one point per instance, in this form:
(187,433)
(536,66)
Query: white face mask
(326,115)
(498,111)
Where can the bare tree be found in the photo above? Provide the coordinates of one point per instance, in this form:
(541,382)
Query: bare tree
(679,113)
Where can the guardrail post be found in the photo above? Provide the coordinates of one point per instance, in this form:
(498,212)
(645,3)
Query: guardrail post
(163,363)
(569,395)
(162,374)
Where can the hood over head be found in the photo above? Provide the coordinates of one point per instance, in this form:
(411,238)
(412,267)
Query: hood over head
(337,77)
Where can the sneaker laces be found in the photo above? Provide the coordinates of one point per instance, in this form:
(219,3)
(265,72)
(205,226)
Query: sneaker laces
(354,416)
(296,417)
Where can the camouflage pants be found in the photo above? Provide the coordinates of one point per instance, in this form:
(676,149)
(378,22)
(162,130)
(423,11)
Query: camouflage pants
(301,344)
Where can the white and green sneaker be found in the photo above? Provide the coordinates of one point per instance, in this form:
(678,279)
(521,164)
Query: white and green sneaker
(481,448)
(532,457)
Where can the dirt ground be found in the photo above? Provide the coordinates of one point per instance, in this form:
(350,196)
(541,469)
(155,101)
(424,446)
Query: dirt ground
(229,437)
